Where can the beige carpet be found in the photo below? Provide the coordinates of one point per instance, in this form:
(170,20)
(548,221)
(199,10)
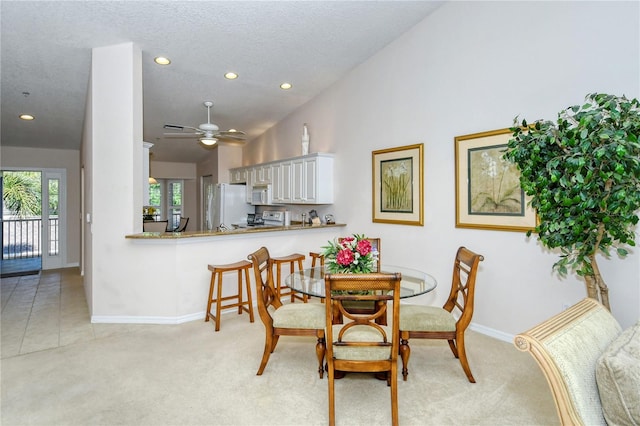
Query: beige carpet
(189,375)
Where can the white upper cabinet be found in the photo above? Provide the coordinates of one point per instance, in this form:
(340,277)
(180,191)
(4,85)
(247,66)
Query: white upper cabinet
(261,174)
(301,180)
(281,182)
(238,175)
(312,179)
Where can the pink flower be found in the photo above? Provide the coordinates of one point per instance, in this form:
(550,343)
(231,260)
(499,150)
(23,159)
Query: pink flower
(346,241)
(344,257)
(364,247)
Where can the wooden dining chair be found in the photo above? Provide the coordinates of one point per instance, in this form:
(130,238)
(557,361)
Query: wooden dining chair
(448,322)
(359,344)
(293,319)
(155,226)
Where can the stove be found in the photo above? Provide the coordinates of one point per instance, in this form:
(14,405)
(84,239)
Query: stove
(266,219)
(272,218)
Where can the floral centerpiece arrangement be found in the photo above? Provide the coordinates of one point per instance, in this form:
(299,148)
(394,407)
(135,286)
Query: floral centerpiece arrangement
(350,255)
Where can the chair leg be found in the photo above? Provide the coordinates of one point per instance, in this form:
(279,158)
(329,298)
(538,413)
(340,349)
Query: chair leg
(320,351)
(269,346)
(211,286)
(394,394)
(219,301)
(249,299)
(405,352)
(463,357)
(332,396)
(274,342)
(239,291)
(452,345)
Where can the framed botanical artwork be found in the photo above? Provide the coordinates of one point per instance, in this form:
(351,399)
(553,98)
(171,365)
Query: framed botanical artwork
(398,185)
(488,192)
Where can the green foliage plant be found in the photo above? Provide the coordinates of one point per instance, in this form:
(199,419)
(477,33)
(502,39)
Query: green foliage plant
(583,176)
(22,193)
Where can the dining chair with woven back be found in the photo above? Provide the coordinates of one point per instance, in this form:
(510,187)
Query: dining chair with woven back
(360,344)
(292,319)
(448,322)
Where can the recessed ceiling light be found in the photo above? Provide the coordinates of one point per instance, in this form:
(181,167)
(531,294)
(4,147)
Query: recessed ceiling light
(232,130)
(27,117)
(161,60)
(231,76)
(285,86)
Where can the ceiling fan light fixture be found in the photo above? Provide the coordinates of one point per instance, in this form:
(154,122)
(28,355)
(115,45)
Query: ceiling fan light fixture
(208,141)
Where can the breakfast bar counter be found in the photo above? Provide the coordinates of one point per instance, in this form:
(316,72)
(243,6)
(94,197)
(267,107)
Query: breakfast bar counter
(236,231)
(167,279)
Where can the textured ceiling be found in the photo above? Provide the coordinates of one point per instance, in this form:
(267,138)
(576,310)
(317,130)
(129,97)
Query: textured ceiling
(46,51)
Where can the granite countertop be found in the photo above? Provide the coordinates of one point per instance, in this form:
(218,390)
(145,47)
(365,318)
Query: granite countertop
(238,231)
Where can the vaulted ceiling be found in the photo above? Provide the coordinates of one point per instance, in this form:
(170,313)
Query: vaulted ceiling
(46,54)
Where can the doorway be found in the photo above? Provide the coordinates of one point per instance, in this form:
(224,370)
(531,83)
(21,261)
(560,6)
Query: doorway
(33,220)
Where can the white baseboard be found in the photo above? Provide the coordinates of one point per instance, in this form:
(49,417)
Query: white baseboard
(107,319)
(496,334)
(100,319)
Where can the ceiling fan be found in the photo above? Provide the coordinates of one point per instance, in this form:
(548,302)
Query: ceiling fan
(207,133)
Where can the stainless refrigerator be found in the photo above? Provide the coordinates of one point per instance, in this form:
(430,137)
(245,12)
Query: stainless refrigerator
(225,204)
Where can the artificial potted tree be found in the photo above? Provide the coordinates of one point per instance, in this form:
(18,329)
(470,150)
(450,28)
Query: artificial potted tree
(583,176)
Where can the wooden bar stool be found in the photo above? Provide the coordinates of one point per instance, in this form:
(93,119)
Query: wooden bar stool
(291,259)
(218,270)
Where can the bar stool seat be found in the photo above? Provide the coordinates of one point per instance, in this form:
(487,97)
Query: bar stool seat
(292,260)
(216,277)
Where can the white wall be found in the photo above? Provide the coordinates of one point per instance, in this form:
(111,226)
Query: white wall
(472,67)
(115,204)
(67,159)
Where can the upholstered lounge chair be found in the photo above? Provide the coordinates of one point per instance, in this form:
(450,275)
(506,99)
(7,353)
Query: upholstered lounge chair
(592,368)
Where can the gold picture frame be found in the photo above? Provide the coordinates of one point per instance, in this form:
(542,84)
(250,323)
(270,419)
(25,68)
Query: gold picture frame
(488,192)
(398,185)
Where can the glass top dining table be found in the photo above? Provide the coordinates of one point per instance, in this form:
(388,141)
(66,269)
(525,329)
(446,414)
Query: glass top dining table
(310,281)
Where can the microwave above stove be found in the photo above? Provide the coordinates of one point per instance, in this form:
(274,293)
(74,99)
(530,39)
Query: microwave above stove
(261,195)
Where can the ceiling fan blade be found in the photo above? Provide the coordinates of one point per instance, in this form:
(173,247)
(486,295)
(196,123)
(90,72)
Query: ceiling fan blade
(180,127)
(182,135)
(240,136)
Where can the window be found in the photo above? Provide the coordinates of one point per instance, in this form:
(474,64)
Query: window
(155,200)
(166,196)
(174,198)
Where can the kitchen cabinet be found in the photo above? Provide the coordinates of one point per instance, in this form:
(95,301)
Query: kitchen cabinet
(301,180)
(238,175)
(281,182)
(260,174)
(312,179)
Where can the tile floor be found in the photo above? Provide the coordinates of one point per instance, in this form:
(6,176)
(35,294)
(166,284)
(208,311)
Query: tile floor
(46,311)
